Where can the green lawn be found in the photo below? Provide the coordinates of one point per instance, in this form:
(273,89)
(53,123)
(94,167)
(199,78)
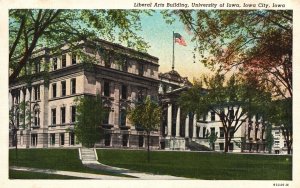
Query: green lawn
(202,165)
(58,159)
(14,174)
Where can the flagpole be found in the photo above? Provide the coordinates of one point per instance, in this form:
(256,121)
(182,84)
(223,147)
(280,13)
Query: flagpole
(173,53)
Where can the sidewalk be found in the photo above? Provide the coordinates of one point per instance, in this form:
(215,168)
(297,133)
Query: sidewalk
(138,175)
(70,173)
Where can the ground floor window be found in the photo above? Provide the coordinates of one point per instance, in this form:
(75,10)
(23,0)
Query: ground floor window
(72,139)
(34,140)
(107,139)
(141,141)
(230,146)
(62,139)
(52,139)
(221,146)
(125,140)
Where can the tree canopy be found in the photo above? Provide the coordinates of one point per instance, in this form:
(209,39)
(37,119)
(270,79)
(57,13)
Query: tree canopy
(146,115)
(89,115)
(257,43)
(233,101)
(32,29)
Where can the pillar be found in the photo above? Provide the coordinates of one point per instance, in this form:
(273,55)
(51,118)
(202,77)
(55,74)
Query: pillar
(178,122)
(194,125)
(187,122)
(169,119)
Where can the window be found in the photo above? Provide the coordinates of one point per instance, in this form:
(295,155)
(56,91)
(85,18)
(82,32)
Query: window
(73,59)
(204,117)
(123,117)
(212,130)
(37,92)
(53,115)
(37,66)
(63,88)
(34,139)
(36,118)
(106,89)
(230,146)
(212,116)
(141,141)
(231,132)
(141,69)
(73,86)
(54,63)
(52,139)
(53,90)
(62,139)
(204,132)
(106,116)
(63,61)
(124,92)
(231,114)
(73,112)
(72,139)
(63,115)
(125,140)
(141,94)
(107,139)
(221,132)
(221,146)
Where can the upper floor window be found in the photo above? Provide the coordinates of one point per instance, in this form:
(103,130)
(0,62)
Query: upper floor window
(213,116)
(106,88)
(37,92)
(221,132)
(63,88)
(37,66)
(74,59)
(231,114)
(141,69)
(53,116)
(63,115)
(54,90)
(122,117)
(63,61)
(54,63)
(73,113)
(124,92)
(36,117)
(73,86)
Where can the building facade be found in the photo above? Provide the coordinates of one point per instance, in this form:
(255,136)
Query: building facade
(43,107)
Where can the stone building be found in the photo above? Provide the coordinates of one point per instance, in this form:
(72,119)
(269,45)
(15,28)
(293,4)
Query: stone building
(43,103)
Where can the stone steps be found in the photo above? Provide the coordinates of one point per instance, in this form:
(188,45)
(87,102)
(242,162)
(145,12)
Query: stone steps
(88,155)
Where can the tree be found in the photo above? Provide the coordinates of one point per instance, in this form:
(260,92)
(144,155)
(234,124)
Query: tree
(269,137)
(147,115)
(258,43)
(32,29)
(19,117)
(89,115)
(281,115)
(232,101)
(212,137)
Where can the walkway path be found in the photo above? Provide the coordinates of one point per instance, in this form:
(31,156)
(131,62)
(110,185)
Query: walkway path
(136,175)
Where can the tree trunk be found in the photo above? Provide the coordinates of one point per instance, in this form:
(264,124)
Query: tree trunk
(226,143)
(148,149)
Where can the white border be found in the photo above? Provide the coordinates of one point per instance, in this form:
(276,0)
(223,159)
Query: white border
(5,5)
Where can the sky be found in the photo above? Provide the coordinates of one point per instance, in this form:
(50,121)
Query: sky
(159,36)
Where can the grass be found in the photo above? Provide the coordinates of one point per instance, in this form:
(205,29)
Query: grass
(56,159)
(15,174)
(200,165)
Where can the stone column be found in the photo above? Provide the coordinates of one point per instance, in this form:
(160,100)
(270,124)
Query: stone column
(10,99)
(194,125)
(169,119)
(178,122)
(98,87)
(187,123)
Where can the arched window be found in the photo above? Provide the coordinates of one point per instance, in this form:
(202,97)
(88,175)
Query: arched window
(36,115)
